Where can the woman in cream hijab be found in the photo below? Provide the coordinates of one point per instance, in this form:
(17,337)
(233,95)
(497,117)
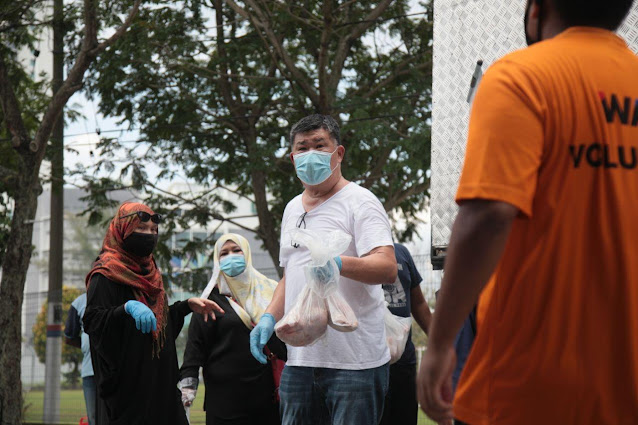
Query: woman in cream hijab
(239,389)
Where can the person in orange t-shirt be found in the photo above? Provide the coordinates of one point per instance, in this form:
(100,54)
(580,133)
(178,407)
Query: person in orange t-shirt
(548,201)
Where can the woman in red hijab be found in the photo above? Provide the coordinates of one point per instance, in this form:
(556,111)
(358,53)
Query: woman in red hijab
(132,329)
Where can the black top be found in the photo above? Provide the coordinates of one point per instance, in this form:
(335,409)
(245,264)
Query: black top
(132,387)
(398,295)
(73,325)
(235,382)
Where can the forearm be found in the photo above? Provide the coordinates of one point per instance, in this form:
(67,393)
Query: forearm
(420,310)
(277,305)
(378,267)
(476,245)
(180,309)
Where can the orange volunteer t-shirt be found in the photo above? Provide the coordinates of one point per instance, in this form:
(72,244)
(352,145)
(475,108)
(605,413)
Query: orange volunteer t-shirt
(554,132)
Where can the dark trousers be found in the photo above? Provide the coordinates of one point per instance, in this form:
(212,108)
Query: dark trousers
(401,407)
(459,422)
(267,416)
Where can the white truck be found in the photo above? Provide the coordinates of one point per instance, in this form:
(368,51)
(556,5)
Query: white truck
(469,35)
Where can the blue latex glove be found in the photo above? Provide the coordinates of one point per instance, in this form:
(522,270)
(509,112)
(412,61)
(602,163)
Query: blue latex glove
(260,335)
(339,262)
(326,273)
(145,320)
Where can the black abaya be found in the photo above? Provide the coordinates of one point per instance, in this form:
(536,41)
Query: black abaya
(239,389)
(133,388)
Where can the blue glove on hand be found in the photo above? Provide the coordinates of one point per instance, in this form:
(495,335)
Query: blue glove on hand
(339,262)
(260,335)
(145,320)
(326,273)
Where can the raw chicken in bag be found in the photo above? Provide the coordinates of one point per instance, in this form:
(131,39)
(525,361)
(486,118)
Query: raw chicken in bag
(319,303)
(340,314)
(306,322)
(397,330)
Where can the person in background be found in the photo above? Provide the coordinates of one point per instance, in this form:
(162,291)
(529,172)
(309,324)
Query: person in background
(405,298)
(131,327)
(75,336)
(343,379)
(463,346)
(546,233)
(239,389)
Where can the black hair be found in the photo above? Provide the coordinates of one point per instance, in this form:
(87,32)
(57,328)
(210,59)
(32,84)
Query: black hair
(315,122)
(607,14)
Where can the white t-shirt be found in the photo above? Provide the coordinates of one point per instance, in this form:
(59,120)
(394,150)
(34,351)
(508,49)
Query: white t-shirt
(359,213)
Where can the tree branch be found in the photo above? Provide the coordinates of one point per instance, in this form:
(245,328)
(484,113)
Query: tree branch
(369,20)
(376,171)
(396,74)
(225,83)
(314,23)
(14,12)
(265,97)
(15,25)
(395,200)
(237,193)
(213,75)
(346,4)
(325,96)
(89,51)
(121,30)
(345,43)
(89,41)
(215,215)
(219,217)
(261,22)
(11,109)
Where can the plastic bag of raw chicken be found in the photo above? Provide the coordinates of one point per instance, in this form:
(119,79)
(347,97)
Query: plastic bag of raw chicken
(340,314)
(306,322)
(319,304)
(397,330)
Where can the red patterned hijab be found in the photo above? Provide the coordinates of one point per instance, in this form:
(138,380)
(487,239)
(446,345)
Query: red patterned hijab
(140,273)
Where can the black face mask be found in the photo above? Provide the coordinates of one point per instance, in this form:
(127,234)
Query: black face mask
(528,39)
(140,244)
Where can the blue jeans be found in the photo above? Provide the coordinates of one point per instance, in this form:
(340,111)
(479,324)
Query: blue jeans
(90,398)
(319,396)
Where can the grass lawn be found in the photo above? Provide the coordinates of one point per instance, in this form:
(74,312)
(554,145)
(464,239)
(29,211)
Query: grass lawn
(72,408)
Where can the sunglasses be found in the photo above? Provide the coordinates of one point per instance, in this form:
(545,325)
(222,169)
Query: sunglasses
(301,221)
(144,217)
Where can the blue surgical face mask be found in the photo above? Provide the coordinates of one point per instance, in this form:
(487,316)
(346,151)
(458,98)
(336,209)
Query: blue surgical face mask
(313,167)
(233,264)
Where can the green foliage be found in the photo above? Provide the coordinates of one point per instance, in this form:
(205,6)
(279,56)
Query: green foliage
(215,96)
(70,354)
(32,96)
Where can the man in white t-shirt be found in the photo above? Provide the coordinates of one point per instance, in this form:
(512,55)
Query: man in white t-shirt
(342,379)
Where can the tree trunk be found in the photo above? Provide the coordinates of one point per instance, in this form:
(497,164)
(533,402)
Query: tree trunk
(267,228)
(14,272)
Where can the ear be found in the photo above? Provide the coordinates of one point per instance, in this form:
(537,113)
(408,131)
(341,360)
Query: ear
(341,152)
(292,158)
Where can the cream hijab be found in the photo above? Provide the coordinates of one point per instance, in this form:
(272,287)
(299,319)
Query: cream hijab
(250,292)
